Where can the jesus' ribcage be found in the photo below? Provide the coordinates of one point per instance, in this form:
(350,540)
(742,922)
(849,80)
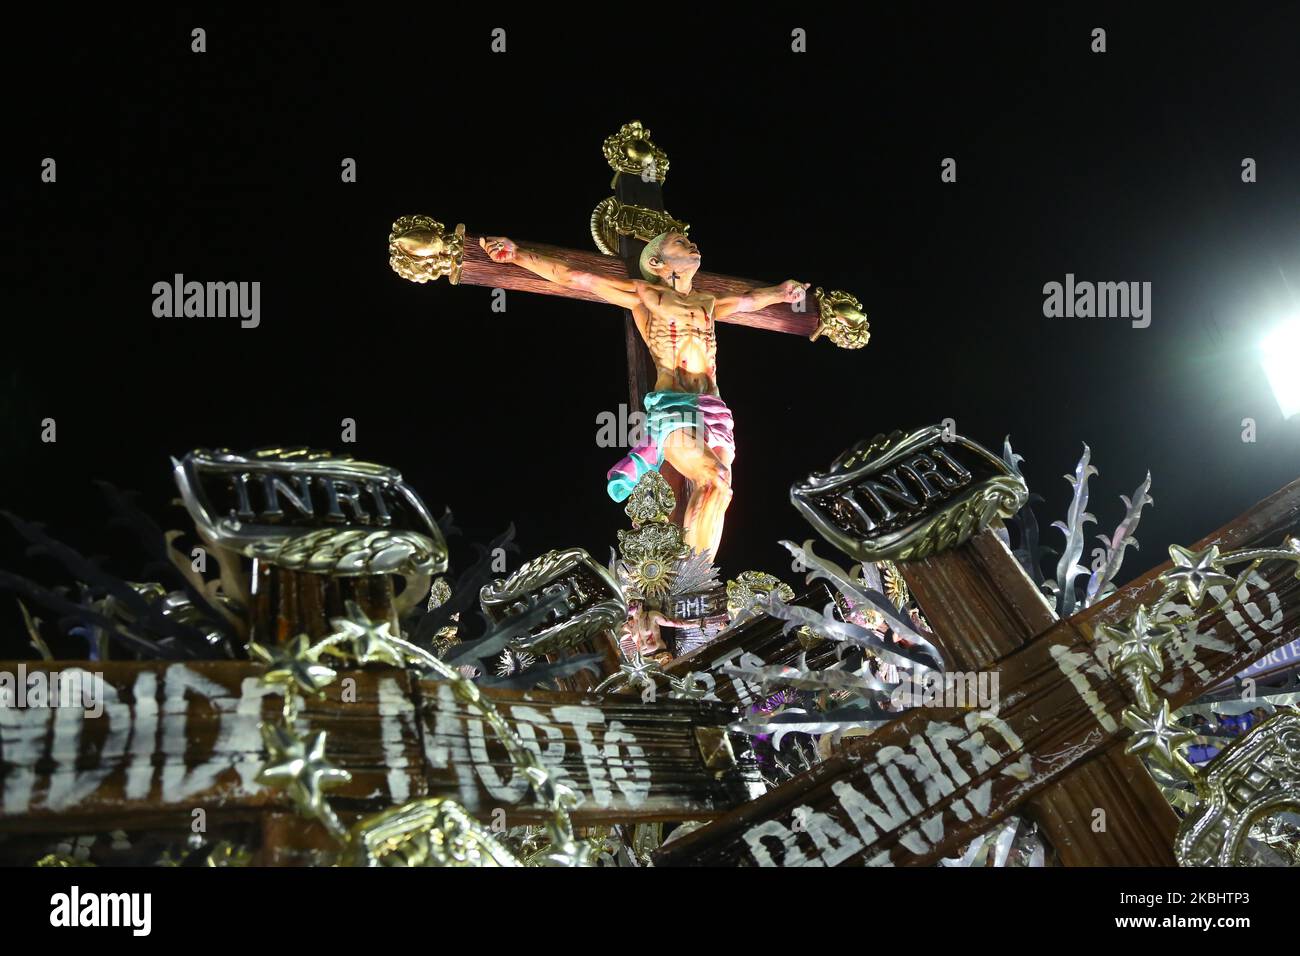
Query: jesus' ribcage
(685,349)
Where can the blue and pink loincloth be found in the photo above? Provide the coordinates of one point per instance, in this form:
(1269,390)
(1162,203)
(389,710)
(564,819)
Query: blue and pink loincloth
(665,413)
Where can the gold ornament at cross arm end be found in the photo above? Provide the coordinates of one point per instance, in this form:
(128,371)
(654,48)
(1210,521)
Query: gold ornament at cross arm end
(420,248)
(842,319)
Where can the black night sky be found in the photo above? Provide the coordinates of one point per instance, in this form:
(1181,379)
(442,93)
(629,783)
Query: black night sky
(824,166)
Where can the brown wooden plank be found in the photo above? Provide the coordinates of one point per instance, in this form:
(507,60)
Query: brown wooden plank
(1267,523)
(1139,825)
(176,737)
(978,601)
(628,760)
(983,606)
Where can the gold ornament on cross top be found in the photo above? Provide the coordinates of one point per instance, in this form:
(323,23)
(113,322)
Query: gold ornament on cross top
(632,151)
(842,319)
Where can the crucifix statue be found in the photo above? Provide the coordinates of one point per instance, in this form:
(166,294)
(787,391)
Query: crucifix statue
(687,421)
(673,309)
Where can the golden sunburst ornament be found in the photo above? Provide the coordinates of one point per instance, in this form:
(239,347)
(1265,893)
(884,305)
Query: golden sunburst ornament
(652,575)
(653,549)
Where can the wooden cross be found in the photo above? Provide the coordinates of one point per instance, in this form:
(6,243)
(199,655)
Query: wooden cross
(477,269)
(982,606)
(924,785)
(420,249)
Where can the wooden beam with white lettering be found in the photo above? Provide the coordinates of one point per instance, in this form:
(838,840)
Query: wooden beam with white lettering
(924,785)
(171,738)
(631,762)
(982,606)
(175,737)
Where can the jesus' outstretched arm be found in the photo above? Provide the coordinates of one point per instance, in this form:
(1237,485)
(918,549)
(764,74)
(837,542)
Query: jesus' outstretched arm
(618,291)
(756,299)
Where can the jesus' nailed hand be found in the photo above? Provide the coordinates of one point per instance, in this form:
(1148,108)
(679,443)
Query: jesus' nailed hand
(678,326)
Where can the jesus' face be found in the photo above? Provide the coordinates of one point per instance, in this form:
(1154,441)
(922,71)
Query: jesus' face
(679,255)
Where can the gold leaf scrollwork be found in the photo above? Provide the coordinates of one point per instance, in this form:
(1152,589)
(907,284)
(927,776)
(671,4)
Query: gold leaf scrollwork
(420,248)
(938,526)
(593,601)
(650,553)
(346,552)
(841,319)
(632,151)
(611,219)
(751,589)
(1256,775)
(429,832)
(652,500)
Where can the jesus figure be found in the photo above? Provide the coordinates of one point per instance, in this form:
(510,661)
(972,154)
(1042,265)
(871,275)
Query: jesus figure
(687,423)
